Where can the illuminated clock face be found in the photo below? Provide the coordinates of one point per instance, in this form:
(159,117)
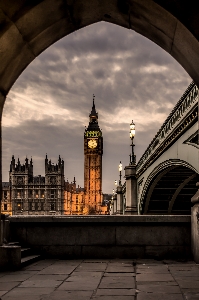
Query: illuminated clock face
(92,144)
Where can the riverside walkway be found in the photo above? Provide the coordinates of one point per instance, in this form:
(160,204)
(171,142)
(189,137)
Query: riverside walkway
(53,279)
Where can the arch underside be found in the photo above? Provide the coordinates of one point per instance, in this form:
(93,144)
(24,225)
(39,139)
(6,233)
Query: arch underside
(172,192)
(29,27)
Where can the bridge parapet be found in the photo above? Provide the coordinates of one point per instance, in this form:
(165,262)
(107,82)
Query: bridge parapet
(183,116)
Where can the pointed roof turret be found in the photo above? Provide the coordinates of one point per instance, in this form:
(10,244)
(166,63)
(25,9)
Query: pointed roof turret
(93,114)
(93,123)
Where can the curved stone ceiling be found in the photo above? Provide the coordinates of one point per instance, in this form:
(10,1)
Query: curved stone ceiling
(29,27)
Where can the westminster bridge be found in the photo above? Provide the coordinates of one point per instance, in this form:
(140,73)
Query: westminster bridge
(164,179)
(168,170)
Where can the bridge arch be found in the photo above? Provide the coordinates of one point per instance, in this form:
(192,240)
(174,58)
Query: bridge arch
(168,189)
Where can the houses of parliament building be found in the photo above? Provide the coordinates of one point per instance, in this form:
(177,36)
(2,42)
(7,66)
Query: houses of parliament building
(26,194)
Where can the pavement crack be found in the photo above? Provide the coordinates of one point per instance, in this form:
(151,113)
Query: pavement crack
(95,291)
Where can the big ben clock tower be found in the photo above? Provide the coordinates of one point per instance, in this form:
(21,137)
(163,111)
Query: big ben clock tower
(93,150)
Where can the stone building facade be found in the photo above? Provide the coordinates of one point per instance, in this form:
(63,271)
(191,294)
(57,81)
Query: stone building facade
(74,199)
(37,195)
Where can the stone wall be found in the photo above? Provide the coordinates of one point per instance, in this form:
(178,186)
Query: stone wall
(4,236)
(105,236)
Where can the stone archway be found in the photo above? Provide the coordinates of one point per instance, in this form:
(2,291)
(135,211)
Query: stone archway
(168,189)
(29,27)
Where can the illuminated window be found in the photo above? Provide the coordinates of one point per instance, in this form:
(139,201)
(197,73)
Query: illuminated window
(18,206)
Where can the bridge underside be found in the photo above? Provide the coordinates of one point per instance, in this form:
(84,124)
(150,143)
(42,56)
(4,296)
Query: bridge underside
(172,192)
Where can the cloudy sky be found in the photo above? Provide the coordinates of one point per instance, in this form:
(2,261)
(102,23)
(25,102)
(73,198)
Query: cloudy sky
(48,107)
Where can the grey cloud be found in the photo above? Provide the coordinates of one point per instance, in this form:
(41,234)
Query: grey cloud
(56,77)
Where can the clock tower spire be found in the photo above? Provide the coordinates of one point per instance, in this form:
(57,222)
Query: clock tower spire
(93,151)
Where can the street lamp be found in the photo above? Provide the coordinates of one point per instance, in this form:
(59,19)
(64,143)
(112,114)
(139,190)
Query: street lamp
(120,171)
(132,134)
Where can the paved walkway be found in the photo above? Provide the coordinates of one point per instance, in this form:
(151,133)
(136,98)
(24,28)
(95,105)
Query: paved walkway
(102,280)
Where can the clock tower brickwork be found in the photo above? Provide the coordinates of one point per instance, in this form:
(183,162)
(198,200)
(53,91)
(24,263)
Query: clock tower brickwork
(93,151)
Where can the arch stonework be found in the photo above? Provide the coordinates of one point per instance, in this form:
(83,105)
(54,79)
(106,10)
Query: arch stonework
(29,27)
(156,175)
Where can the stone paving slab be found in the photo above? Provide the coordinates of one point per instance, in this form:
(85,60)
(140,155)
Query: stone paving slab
(188,284)
(86,274)
(119,274)
(40,283)
(91,267)
(190,291)
(154,277)
(191,296)
(162,283)
(120,269)
(120,265)
(117,283)
(116,292)
(15,277)
(58,277)
(159,288)
(22,271)
(24,292)
(152,269)
(68,295)
(186,278)
(6,286)
(186,274)
(183,267)
(39,265)
(81,283)
(158,296)
(57,269)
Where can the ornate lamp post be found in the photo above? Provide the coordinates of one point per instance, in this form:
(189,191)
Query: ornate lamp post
(131,179)
(120,171)
(132,134)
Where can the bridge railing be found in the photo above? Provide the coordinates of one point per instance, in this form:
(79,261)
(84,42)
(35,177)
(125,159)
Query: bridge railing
(171,128)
